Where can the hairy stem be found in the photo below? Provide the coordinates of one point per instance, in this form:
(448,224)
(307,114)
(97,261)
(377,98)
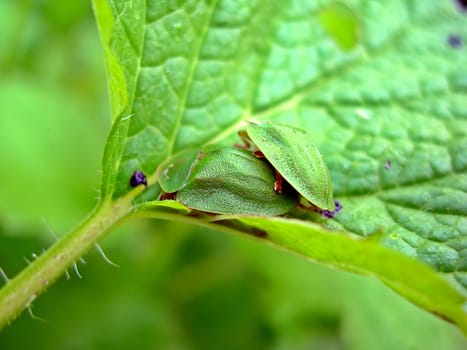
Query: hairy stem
(18,293)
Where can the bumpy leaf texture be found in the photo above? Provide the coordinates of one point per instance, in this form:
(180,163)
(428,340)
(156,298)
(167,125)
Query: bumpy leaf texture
(382,92)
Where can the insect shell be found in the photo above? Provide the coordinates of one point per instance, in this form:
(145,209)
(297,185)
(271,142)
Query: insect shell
(227,181)
(295,158)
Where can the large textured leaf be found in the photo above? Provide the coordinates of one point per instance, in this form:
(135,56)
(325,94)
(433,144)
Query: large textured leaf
(388,111)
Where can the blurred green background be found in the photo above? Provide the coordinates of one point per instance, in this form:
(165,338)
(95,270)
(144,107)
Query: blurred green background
(178,287)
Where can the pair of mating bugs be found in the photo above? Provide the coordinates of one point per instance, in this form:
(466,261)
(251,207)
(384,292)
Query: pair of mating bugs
(276,169)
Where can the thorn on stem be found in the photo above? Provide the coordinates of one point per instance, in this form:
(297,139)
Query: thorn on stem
(31,314)
(4,276)
(106,259)
(75,267)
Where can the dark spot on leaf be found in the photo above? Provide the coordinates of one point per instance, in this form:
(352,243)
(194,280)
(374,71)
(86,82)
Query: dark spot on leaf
(454,41)
(338,205)
(259,233)
(462,4)
(443,317)
(201,155)
(138,178)
(387,165)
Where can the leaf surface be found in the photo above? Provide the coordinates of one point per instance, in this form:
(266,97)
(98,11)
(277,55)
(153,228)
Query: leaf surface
(388,113)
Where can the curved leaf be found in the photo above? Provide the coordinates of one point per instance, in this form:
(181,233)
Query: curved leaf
(366,257)
(388,113)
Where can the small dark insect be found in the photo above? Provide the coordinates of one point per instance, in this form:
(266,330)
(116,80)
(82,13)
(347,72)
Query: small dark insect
(387,165)
(454,41)
(138,178)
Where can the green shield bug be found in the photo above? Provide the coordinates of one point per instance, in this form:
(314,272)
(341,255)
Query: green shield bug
(174,172)
(231,181)
(295,158)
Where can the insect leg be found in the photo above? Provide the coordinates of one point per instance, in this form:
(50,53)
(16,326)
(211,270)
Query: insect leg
(279,182)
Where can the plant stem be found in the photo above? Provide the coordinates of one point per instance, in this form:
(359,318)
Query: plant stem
(21,291)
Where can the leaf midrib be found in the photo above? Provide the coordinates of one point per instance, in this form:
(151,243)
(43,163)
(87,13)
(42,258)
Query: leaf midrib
(191,73)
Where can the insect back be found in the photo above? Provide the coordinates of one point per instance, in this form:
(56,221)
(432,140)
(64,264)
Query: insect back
(232,181)
(297,159)
(174,172)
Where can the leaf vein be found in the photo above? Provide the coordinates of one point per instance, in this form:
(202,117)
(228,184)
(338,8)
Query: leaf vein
(191,73)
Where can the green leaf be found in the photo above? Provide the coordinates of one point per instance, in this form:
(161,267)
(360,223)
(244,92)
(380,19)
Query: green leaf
(366,257)
(388,114)
(160,205)
(47,139)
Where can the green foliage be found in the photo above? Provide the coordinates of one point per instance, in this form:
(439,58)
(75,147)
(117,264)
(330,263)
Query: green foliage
(387,115)
(198,289)
(362,256)
(386,107)
(50,129)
